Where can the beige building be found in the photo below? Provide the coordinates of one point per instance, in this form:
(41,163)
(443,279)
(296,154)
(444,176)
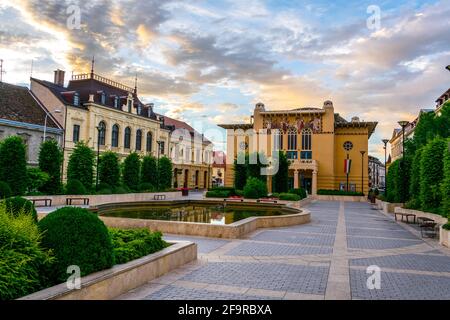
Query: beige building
(108,115)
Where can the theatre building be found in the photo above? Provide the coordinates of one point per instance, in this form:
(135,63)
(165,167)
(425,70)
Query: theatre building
(317,141)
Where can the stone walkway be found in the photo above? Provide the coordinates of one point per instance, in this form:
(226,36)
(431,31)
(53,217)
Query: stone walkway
(325,259)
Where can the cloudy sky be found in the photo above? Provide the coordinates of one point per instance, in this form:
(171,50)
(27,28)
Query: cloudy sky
(209,62)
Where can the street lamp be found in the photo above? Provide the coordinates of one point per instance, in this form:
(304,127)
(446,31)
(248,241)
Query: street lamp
(45,122)
(100,131)
(362,171)
(385,141)
(157,165)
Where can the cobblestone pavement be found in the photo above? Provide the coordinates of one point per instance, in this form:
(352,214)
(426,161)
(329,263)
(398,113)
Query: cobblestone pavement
(325,259)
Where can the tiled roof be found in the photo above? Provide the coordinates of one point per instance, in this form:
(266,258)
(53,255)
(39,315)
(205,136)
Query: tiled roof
(17,104)
(178,124)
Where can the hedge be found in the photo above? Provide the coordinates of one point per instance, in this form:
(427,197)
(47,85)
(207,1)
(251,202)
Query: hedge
(445,187)
(5,190)
(165,173)
(289,197)
(218,194)
(75,187)
(131,171)
(19,205)
(300,192)
(338,193)
(13,164)
(50,161)
(109,169)
(149,171)
(255,188)
(76,237)
(80,166)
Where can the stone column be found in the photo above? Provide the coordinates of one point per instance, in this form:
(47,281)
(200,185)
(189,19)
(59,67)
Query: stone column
(295,179)
(314,183)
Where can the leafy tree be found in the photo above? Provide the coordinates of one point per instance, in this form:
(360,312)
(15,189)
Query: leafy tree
(50,161)
(391,180)
(81,165)
(425,129)
(255,188)
(13,164)
(109,169)
(431,174)
(36,179)
(240,173)
(280,179)
(445,187)
(254,169)
(402,179)
(165,169)
(442,121)
(414,183)
(149,172)
(131,171)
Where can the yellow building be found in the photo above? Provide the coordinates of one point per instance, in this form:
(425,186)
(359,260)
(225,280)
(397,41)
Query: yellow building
(108,115)
(316,140)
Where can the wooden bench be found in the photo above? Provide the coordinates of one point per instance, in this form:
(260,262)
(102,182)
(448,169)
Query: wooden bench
(70,200)
(428,226)
(267,200)
(407,215)
(47,202)
(159,197)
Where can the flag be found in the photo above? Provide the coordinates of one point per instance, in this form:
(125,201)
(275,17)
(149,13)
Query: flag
(347,165)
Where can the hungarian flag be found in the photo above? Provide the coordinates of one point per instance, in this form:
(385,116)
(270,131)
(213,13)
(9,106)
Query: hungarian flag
(347,165)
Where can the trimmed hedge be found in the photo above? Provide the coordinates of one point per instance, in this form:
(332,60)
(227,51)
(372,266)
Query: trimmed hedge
(13,164)
(136,243)
(75,187)
(131,171)
(289,197)
(218,194)
(109,170)
(149,171)
(324,192)
(445,186)
(50,161)
(300,192)
(76,237)
(255,188)
(165,173)
(81,163)
(19,205)
(5,190)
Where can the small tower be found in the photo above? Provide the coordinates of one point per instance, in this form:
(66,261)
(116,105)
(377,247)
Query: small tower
(328,105)
(257,118)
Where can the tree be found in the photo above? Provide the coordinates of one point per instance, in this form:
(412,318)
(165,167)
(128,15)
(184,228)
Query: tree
(165,173)
(255,162)
(240,173)
(425,129)
(108,169)
(402,179)
(149,172)
(81,165)
(442,122)
(131,171)
(414,183)
(36,179)
(431,174)
(13,164)
(50,160)
(255,188)
(445,187)
(391,180)
(280,179)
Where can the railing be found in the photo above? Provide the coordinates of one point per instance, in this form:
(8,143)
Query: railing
(88,76)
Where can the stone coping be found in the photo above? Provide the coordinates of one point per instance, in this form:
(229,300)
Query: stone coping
(387,207)
(444,237)
(437,218)
(110,283)
(234,230)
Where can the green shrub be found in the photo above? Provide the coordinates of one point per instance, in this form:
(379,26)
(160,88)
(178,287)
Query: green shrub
(149,172)
(218,194)
(239,193)
(77,237)
(50,161)
(19,205)
(446,226)
(146,187)
(81,164)
(300,192)
(105,191)
(23,263)
(255,188)
(104,185)
(414,183)
(240,173)
(431,174)
(445,186)
(13,164)
(131,171)
(109,169)
(280,179)
(165,173)
(338,193)
(413,204)
(136,243)
(275,195)
(75,187)
(289,197)
(121,190)
(5,190)
(37,179)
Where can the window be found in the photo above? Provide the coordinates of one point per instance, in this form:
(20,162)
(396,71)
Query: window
(161,147)
(116,102)
(129,105)
(76,99)
(278,141)
(138,139)
(292,145)
(101,133)
(139,110)
(76,133)
(149,142)
(103,98)
(127,140)
(306,144)
(115,136)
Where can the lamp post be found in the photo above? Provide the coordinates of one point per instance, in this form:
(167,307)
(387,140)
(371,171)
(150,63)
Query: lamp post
(385,141)
(100,130)
(157,165)
(362,171)
(45,122)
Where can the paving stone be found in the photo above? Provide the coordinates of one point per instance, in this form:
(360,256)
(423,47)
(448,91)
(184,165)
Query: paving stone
(265,249)
(379,243)
(292,237)
(204,245)
(400,234)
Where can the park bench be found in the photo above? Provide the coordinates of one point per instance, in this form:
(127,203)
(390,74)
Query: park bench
(407,215)
(70,200)
(269,200)
(428,227)
(159,197)
(47,202)
(233,199)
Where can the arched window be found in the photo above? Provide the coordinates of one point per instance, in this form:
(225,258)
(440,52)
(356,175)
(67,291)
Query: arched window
(127,138)
(149,142)
(115,136)
(292,144)
(138,139)
(306,144)
(101,133)
(277,140)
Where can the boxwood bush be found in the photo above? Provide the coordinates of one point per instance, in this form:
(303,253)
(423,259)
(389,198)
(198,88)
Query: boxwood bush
(19,205)
(255,188)
(133,244)
(75,187)
(77,237)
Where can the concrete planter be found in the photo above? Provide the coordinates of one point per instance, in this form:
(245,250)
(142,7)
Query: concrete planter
(437,218)
(387,207)
(444,237)
(108,284)
(341,198)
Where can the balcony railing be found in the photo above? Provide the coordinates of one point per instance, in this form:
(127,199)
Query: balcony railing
(87,76)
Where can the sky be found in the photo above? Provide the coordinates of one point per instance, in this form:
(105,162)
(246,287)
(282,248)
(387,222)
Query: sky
(210,62)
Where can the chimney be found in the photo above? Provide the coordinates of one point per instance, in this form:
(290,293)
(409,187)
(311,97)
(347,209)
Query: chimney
(355,119)
(59,77)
